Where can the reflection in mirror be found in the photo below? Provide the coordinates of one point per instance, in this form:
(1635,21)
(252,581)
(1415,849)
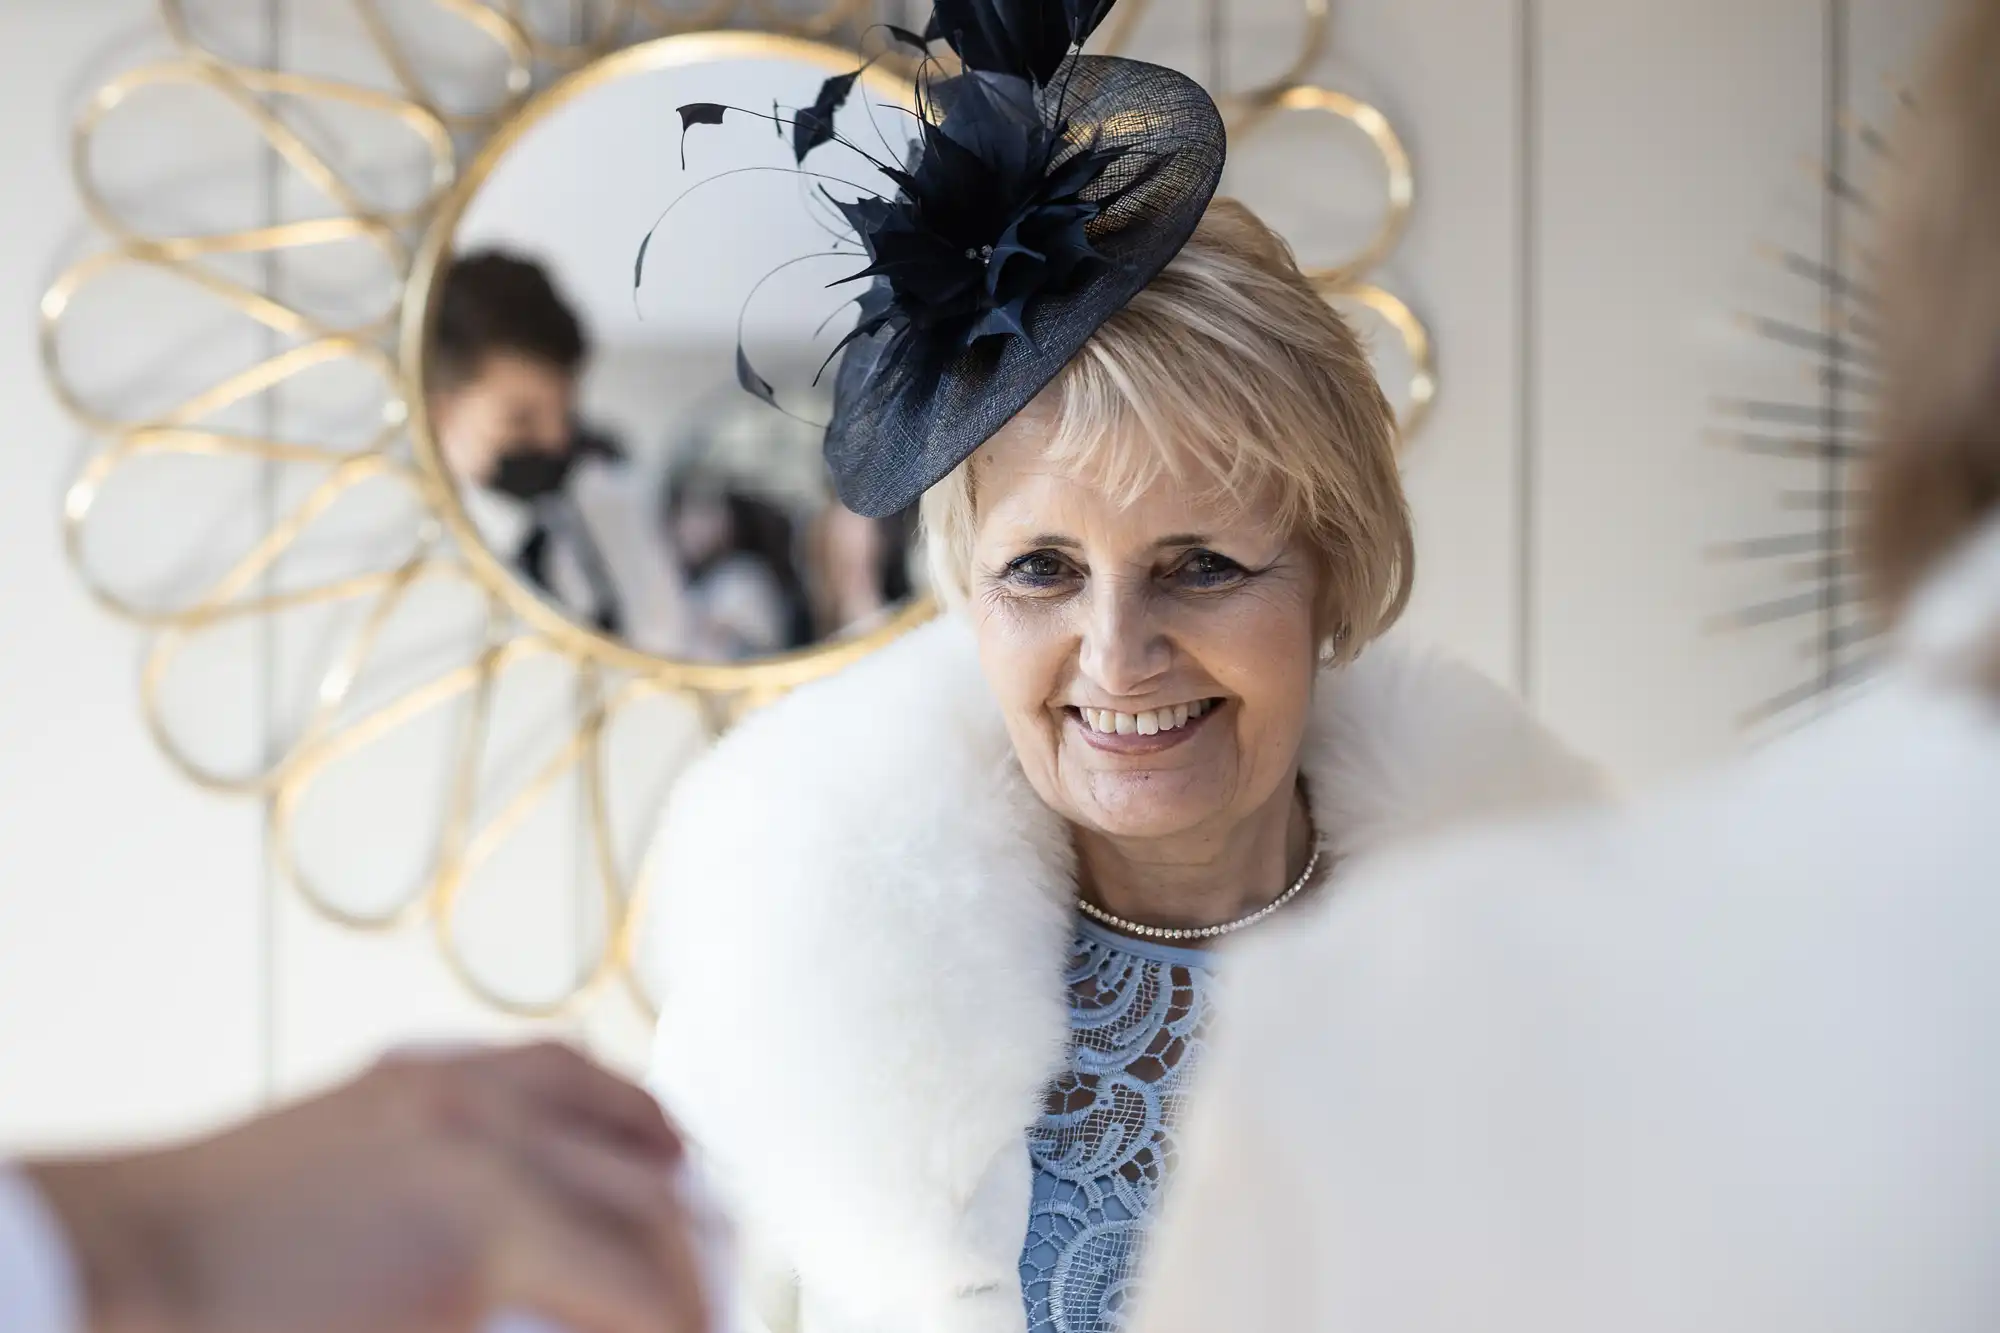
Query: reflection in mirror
(601,445)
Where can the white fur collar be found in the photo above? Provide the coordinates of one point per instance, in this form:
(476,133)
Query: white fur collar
(860,920)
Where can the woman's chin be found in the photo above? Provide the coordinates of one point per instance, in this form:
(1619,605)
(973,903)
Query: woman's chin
(1142,806)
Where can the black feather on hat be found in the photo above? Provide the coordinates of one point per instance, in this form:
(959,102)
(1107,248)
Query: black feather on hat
(1046,188)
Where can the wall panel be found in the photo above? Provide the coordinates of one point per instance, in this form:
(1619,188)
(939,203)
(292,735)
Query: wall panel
(1669,142)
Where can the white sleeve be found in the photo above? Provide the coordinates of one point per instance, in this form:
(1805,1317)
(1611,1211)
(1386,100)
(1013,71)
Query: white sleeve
(38,1283)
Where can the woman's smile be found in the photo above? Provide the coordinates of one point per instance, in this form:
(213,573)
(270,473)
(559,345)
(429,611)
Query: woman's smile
(1144,732)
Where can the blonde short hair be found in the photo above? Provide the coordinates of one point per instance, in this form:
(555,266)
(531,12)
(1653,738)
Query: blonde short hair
(1231,373)
(1936,472)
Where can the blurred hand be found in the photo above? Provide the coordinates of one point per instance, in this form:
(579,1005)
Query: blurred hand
(426,1196)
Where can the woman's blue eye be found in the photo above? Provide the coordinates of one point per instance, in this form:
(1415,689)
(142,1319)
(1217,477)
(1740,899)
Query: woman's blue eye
(1206,569)
(1037,569)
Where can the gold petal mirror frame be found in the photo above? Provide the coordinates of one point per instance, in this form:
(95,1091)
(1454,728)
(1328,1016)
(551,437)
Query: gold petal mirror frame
(440,546)
(760,679)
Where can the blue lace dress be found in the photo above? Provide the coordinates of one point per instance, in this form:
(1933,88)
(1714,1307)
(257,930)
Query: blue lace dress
(1139,1011)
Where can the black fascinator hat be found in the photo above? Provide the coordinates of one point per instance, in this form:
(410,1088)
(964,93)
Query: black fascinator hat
(1045,189)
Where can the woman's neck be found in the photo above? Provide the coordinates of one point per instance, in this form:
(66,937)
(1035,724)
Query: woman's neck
(1200,878)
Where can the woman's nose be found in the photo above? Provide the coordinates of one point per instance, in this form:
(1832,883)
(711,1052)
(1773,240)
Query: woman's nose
(1123,649)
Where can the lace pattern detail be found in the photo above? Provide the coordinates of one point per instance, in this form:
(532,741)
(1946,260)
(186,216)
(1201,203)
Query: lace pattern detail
(1139,1012)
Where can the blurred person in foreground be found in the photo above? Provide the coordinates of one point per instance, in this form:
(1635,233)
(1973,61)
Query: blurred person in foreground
(1721,1061)
(428,1196)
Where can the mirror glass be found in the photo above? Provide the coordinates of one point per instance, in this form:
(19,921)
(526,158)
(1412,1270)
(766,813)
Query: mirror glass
(595,431)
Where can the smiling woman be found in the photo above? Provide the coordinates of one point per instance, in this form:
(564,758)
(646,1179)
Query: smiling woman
(918,926)
(1170,535)
(1159,711)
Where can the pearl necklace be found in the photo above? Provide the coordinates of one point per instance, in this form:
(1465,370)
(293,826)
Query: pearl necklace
(1104,918)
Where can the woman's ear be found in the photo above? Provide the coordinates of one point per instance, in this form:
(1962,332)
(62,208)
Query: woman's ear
(1336,634)
(1332,627)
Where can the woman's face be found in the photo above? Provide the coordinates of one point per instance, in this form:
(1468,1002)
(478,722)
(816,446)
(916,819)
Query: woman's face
(1155,662)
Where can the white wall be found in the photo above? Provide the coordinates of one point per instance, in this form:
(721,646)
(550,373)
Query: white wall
(133,908)
(1670,141)
(1594,179)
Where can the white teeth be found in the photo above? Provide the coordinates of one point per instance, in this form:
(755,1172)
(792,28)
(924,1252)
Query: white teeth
(1152,723)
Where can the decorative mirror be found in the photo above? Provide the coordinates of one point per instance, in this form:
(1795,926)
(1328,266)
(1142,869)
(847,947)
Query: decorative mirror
(455,543)
(594,453)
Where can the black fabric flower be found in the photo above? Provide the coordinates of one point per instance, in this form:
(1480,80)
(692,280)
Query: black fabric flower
(984,221)
(1044,191)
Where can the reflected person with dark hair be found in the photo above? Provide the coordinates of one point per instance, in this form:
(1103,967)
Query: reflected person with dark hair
(552,497)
